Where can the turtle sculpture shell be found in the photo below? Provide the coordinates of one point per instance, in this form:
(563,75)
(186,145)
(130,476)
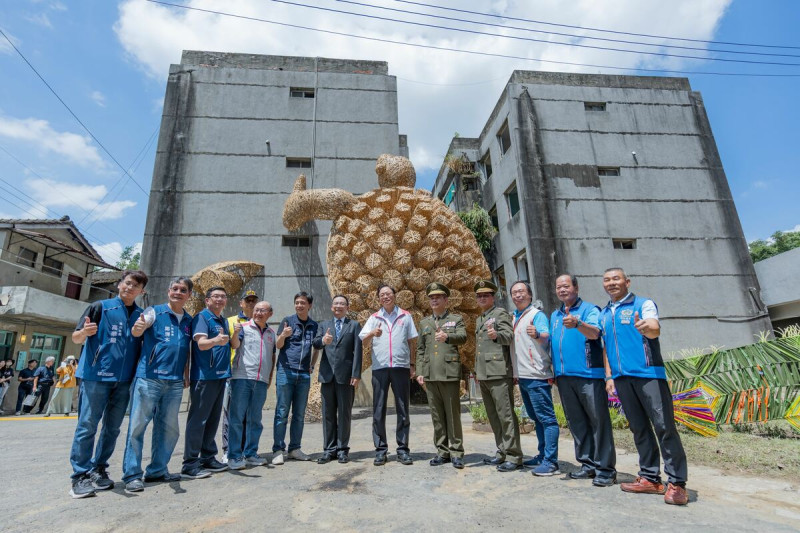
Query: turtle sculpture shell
(407,239)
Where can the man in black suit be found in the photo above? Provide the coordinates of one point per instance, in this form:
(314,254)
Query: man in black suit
(339,374)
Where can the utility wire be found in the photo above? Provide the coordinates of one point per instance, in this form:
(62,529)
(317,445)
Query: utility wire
(544,23)
(72,112)
(120,179)
(532,39)
(472,52)
(569,35)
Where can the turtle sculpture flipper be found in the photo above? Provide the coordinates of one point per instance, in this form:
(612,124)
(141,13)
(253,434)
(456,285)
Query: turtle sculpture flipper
(395,235)
(317,204)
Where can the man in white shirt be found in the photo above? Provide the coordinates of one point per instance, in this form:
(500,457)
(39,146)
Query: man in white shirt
(394,342)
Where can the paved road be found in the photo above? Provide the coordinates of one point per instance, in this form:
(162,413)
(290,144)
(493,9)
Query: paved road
(361,497)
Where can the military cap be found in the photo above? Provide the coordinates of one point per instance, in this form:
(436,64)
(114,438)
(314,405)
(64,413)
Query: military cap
(250,294)
(437,288)
(485,285)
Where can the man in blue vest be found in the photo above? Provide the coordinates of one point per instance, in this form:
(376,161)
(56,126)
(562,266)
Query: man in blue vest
(158,389)
(293,378)
(210,368)
(577,355)
(635,369)
(107,365)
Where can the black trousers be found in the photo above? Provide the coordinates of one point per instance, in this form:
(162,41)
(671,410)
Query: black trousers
(400,381)
(22,392)
(645,402)
(202,421)
(44,395)
(585,403)
(337,407)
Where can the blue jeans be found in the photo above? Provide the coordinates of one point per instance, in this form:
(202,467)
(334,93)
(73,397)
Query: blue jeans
(538,399)
(104,400)
(292,387)
(158,400)
(247,401)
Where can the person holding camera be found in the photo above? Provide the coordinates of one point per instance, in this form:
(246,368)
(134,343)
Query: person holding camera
(61,402)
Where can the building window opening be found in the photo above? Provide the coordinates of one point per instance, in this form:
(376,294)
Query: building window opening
(493,216)
(52,266)
(301,92)
(450,195)
(486,161)
(296,241)
(512,198)
(26,257)
(504,138)
(521,264)
(44,346)
(624,244)
(594,106)
(608,171)
(298,162)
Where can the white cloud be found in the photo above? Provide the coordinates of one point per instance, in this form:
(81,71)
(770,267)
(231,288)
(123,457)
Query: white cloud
(457,91)
(62,195)
(40,19)
(5,47)
(112,251)
(74,147)
(99,98)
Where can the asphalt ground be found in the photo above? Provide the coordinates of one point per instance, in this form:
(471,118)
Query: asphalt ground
(304,496)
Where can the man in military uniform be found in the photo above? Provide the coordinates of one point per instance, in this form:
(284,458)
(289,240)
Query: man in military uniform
(495,371)
(439,369)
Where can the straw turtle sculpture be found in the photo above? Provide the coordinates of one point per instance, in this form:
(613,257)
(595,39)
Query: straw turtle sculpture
(395,235)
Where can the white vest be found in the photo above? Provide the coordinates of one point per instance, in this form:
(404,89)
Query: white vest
(532,359)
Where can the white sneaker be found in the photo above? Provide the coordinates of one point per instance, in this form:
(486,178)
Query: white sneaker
(298,455)
(255,460)
(277,459)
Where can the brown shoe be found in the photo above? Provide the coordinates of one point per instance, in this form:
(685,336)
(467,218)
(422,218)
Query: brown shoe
(643,486)
(676,495)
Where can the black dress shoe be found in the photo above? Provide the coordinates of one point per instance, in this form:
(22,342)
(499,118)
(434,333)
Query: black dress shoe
(582,474)
(343,458)
(439,460)
(508,466)
(493,461)
(458,462)
(604,481)
(326,458)
(380,459)
(405,458)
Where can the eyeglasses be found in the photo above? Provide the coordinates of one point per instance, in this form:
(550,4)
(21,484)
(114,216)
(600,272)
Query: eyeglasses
(482,295)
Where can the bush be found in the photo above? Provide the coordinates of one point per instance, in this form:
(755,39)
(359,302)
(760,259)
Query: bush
(478,413)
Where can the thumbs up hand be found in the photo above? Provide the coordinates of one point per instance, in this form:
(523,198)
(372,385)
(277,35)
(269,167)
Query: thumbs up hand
(440,336)
(89,327)
(570,321)
(643,326)
(327,338)
(490,331)
(139,326)
(378,331)
(237,328)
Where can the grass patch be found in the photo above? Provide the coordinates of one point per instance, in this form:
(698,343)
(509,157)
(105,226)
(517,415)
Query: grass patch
(736,451)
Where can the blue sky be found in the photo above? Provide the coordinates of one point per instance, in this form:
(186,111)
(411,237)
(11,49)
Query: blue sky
(108,61)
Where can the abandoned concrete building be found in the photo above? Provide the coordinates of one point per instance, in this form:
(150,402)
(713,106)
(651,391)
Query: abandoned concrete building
(236,132)
(581,172)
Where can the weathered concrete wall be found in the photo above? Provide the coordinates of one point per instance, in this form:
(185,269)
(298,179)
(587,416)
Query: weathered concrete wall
(672,196)
(218,186)
(779,277)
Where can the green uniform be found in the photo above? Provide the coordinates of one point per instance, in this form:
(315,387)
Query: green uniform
(440,366)
(495,373)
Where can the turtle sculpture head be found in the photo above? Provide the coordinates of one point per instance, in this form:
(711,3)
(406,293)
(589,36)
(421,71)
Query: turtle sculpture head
(327,204)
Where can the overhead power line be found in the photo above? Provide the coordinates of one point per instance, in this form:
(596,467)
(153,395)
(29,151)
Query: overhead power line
(92,135)
(569,35)
(472,52)
(615,32)
(535,40)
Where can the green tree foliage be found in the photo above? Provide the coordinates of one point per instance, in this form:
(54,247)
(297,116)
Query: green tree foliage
(479,223)
(128,260)
(779,242)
